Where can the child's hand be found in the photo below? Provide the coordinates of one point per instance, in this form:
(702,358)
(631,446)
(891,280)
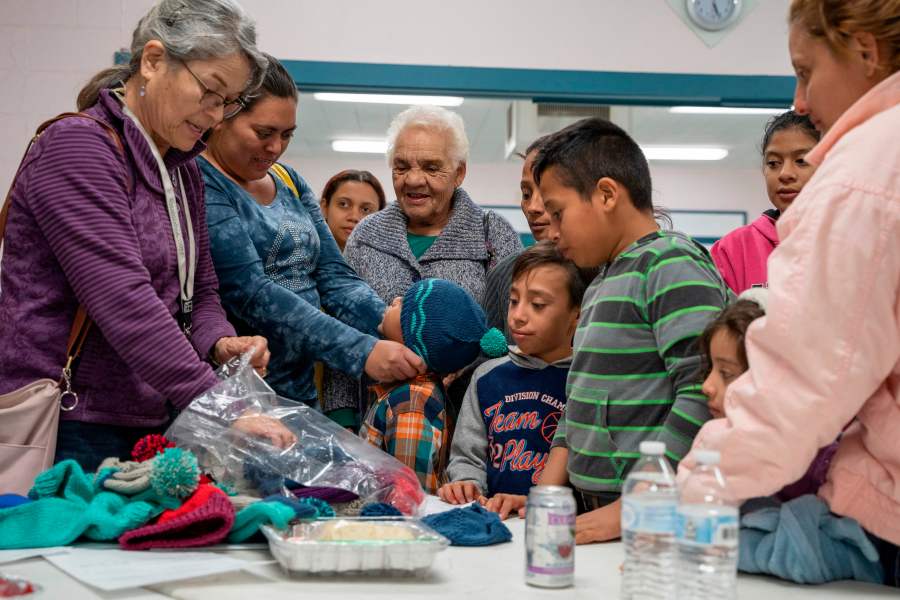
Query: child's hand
(459,492)
(504,504)
(600,525)
(266,427)
(449,379)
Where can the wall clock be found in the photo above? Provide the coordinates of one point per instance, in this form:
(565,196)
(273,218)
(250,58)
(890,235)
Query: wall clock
(713,15)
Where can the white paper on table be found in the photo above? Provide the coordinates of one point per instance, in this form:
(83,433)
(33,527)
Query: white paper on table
(434,505)
(8,556)
(111,570)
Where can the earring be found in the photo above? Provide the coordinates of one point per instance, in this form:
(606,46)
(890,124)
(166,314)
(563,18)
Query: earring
(142,92)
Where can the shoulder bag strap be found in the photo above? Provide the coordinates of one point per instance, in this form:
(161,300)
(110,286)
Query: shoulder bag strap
(284,176)
(81,324)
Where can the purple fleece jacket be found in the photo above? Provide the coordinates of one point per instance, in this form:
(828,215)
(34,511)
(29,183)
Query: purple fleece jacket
(90,226)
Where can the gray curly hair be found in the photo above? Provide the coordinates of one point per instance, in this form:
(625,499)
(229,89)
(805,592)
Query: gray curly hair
(189,30)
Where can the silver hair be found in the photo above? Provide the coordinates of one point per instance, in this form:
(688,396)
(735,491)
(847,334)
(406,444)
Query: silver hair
(431,117)
(189,30)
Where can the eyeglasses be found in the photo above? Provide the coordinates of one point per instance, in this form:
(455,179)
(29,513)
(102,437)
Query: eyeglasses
(214,100)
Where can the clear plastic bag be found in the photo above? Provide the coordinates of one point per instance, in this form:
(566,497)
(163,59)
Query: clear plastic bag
(315,452)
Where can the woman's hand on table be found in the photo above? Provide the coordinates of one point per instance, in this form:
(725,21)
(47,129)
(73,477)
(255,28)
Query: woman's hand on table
(506,504)
(599,525)
(390,361)
(229,347)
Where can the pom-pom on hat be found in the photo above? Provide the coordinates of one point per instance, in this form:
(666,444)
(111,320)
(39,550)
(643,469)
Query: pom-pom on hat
(175,473)
(444,325)
(149,446)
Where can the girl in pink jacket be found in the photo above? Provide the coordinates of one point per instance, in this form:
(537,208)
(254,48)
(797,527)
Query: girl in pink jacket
(828,350)
(741,255)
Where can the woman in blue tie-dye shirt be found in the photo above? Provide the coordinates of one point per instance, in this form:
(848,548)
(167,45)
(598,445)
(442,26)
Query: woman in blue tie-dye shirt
(276,259)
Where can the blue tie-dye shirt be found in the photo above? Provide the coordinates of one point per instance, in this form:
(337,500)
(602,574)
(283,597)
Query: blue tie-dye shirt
(277,265)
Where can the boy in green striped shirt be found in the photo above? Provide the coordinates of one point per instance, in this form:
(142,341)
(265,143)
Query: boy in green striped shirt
(635,372)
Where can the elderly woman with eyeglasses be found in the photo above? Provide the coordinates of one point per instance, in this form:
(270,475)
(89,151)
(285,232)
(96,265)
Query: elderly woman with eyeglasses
(107,214)
(278,263)
(434,229)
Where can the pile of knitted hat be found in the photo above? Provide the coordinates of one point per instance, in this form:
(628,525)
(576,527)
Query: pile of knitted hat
(164,486)
(469,526)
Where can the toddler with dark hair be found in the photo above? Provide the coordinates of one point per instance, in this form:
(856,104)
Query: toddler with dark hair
(442,323)
(722,345)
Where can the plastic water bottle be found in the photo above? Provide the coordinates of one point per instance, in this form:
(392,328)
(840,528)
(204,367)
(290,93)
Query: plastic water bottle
(649,502)
(707,534)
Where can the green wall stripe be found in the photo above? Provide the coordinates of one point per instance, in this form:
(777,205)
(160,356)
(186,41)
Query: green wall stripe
(610,87)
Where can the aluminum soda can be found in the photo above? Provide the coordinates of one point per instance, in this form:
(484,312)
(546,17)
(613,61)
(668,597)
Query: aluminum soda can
(550,537)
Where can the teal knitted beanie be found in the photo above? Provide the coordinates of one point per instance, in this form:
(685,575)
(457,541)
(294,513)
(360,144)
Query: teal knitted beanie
(444,325)
(68,504)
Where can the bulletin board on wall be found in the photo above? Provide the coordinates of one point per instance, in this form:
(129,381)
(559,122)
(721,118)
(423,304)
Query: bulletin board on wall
(705,226)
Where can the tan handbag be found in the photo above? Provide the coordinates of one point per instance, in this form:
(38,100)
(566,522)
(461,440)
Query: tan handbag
(29,416)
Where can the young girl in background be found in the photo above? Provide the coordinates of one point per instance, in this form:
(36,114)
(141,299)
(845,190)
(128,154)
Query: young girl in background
(725,357)
(742,254)
(347,199)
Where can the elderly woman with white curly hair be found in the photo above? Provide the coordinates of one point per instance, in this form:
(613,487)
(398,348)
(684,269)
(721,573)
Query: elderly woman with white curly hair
(434,229)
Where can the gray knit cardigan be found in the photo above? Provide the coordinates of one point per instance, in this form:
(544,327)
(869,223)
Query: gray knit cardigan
(473,241)
(468,246)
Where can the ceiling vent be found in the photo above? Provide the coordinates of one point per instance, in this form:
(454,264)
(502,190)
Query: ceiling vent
(572,111)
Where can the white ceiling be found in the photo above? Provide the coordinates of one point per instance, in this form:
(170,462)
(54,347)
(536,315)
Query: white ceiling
(321,122)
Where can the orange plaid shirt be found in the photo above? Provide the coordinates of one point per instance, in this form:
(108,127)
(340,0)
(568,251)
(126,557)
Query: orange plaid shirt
(408,420)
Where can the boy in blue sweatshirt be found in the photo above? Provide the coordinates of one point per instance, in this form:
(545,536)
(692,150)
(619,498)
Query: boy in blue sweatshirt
(512,407)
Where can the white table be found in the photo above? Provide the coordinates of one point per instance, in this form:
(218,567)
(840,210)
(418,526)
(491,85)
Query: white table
(491,573)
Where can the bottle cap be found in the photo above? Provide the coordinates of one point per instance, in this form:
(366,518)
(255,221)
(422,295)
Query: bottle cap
(707,457)
(653,448)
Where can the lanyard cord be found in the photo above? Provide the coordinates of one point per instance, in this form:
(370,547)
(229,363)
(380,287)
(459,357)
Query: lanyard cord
(187,261)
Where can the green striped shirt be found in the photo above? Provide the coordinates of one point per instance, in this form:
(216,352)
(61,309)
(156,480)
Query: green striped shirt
(635,373)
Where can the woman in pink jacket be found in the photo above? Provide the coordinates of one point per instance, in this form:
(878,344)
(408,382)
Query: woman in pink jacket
(741,255)
(828,350)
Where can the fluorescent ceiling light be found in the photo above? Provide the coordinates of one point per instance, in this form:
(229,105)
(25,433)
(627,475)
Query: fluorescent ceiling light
(388,99)
(361,146)
(724,110)
(651,152)
(684,153)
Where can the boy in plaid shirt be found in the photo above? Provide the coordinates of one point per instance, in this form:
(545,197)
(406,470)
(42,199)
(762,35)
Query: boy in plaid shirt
(440,322)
